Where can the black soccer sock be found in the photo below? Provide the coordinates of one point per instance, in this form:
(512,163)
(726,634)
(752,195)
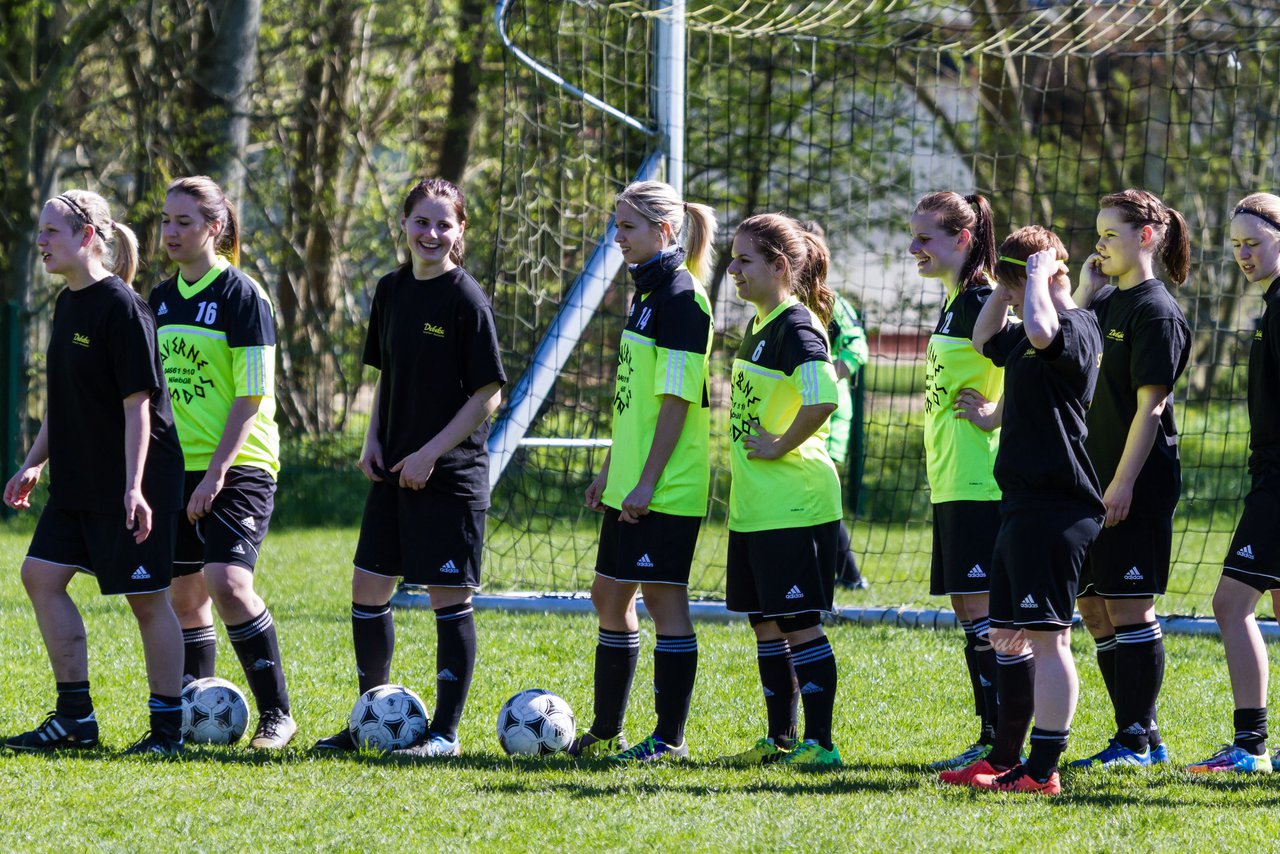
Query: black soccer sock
(1047,747)
(1154,739)
(374,632)
(971,644)
(1016,675)
(74,700)
(1251,730)
(846,564)
(258,649)
(166,716)
(815,666)
(1139,674)
(616,656)
(200,653)
(987,669)
(781,691)
(455,664)
(675,665)
(1105,649)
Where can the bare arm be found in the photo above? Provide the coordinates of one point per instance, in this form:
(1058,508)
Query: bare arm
(17,492)
(234,434)
(992,319)
(671,417)
(1137,447)
(137,438)
(370,461)
(763,445)
(1039,317)
(417,467)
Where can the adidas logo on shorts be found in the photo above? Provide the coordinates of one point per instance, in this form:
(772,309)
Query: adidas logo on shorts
(164,309)
(795,593)
(1029,602)
(446,675)
(248,522)
(1246,552)
(810,688)
(237,549)
(1133,575)
(450,567)
(140,574)
(977,572)
(644,561)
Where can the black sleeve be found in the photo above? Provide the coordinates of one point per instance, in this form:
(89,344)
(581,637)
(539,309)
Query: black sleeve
(803,343)
(250,322)
(683,324)
(131,346)
(373,335)
(1271,334)
(481,358)
(1159,352)
(1000,345)
(1073,351)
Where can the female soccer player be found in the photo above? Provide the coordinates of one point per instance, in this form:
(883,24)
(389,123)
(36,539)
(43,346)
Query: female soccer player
(433,338)
(217,339)
(1252,565)
(654,482)
(1133,443)
(952,239)
(784,504)
(109,438)
(1051,508)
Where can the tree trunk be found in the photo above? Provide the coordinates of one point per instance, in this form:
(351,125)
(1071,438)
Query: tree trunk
(464,109)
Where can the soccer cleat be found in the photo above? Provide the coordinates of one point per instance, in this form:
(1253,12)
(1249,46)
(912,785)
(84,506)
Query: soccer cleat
(589,746)
(811,755)
(1114,756)
(58,732)
(433,745)
(1159,754)
(157,746)
(275,730)
(1019,781)
(971,754)
(1232,758)
(652,749)
(970,775)
(338,741)
(764,752)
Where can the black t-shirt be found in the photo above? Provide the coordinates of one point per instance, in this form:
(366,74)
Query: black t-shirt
(1145,341)
(436,343)
(102,349)
(1046,397)
(1264,389)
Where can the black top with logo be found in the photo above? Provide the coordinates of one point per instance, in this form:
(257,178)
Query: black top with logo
(436,343)
(1145,341)
(1046,397)
(102,349)
(1264,389)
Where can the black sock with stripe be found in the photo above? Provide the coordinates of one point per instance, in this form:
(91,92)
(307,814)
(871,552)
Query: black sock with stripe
(781,691)
(373,631)
(616,657)
(74,700)
(816,672)
(455,665)
(200,653)
(1139,675)
(1016,676)
(166,716)
(1047,747)
(1251,730)
(675,666)
(258,649)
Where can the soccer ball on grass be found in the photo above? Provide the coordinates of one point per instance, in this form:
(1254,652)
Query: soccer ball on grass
(214,711)
(535,723)
(388,717)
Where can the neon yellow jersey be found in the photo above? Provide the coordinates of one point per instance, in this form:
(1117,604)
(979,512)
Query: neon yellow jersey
(217,342)
(664,351)
(959,456)
(781,365)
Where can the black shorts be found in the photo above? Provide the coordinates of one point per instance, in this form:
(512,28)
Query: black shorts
(1036,566)
(233,532)
(421,537)
(657,549)
(1131,560)
(1254,555)
(964,535)
(782,572)
(99,544)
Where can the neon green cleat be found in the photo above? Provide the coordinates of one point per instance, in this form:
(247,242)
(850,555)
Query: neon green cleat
(764,752)
(811,755)
(652,749)
(588,746)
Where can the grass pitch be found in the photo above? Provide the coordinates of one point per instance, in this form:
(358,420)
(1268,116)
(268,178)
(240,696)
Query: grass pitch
(903,701)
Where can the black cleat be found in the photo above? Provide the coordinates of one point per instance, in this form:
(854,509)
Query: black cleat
(158,746)
(339,741)
(58,732)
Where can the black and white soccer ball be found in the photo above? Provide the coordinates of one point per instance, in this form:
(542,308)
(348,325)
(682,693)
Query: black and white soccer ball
(388,717)
(535,723)
(214,711)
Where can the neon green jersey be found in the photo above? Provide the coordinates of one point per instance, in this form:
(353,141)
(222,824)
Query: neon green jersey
(217,341)
(781,365)
(959,456)
(664,351)
(848,346)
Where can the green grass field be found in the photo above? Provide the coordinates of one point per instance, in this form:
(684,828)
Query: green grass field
(903,701)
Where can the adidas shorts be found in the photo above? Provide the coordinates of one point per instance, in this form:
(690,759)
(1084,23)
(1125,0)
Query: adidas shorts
(782,572)
(419,536)
(100,545)
(1130,560)
(964,535)
(657,549)
(233,532)
(1254,555)
(1036,566)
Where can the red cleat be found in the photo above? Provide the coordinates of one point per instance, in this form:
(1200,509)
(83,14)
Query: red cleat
(1018,780)
(968,774)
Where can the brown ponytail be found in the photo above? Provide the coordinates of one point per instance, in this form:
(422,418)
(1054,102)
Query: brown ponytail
(214,207)
(1141,207)
(957,212)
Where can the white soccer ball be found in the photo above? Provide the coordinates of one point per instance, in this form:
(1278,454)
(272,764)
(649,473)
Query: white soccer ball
(214,711)
(388,717)
(535,723)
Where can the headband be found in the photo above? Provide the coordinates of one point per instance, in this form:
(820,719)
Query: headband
(1268,220)
(1009,260)
(76,209)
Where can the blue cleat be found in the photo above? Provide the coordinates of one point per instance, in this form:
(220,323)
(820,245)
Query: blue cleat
(1114,755)
(1232,759)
